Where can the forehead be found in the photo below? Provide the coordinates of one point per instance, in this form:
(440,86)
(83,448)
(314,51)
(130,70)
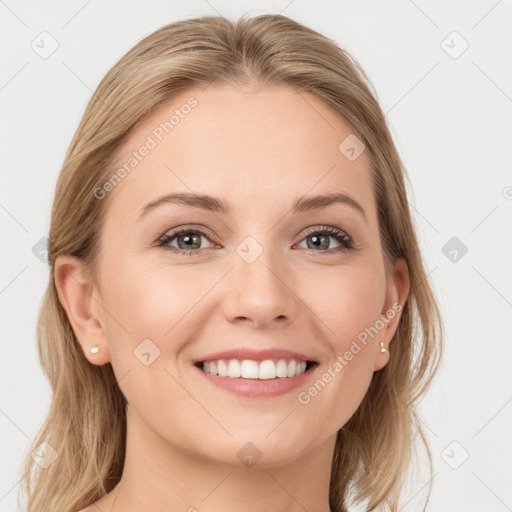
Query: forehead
(262,144)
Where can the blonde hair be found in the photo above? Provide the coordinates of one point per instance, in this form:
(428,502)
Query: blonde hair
(86,423)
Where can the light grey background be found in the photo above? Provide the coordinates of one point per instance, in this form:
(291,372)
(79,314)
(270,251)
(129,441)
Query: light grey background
(451,117)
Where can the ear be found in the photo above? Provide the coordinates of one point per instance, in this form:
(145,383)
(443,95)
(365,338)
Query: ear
(397,291)
(80,299)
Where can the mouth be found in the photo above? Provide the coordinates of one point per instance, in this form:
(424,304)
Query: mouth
(257,379)
(248,369)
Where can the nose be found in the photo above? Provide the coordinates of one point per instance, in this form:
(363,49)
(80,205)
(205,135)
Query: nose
(260,293)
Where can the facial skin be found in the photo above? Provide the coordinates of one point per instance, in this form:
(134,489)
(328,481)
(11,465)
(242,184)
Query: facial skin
(259,149)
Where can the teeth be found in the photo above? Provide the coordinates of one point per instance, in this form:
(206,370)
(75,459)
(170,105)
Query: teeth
(234,369)
(292,365)
(281,368)
(267,370)
(222,369)
(249,369)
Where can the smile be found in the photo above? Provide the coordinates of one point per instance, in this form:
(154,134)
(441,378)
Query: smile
(257,379)
(250,369)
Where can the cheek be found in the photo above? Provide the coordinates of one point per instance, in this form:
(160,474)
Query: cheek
(150,307)
(346,300)
(152,300)
(140,305)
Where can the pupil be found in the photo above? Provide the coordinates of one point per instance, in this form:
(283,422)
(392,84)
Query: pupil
(320,240)
(190,239)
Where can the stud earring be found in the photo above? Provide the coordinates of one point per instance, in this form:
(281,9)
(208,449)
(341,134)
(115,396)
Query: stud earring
(95,349)
(382,347)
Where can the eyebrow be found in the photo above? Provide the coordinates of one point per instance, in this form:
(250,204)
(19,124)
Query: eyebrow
(218,205)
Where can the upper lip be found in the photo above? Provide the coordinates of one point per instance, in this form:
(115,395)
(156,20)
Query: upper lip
(254,354)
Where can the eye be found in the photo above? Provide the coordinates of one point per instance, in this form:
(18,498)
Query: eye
(187,241)
(320,240)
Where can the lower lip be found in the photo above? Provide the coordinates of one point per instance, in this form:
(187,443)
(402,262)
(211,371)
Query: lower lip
(258,388)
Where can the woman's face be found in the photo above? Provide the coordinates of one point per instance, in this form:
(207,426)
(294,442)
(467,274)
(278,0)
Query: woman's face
(264,275)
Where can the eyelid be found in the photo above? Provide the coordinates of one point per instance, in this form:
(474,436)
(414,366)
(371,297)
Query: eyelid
(345,241)
(202,230)
(323,228)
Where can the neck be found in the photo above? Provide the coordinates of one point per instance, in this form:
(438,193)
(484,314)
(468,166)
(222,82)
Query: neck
(161,476)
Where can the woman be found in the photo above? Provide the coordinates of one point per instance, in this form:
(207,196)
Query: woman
(238,316)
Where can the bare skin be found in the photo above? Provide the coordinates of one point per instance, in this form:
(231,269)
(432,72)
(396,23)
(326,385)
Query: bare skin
(259,149)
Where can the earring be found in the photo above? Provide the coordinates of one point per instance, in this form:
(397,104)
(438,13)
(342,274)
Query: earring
(382,347)
(95,349)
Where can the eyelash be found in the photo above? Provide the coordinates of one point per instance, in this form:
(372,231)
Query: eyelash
(340,236)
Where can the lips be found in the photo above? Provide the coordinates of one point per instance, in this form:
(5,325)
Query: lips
(264,386)
(255,355)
